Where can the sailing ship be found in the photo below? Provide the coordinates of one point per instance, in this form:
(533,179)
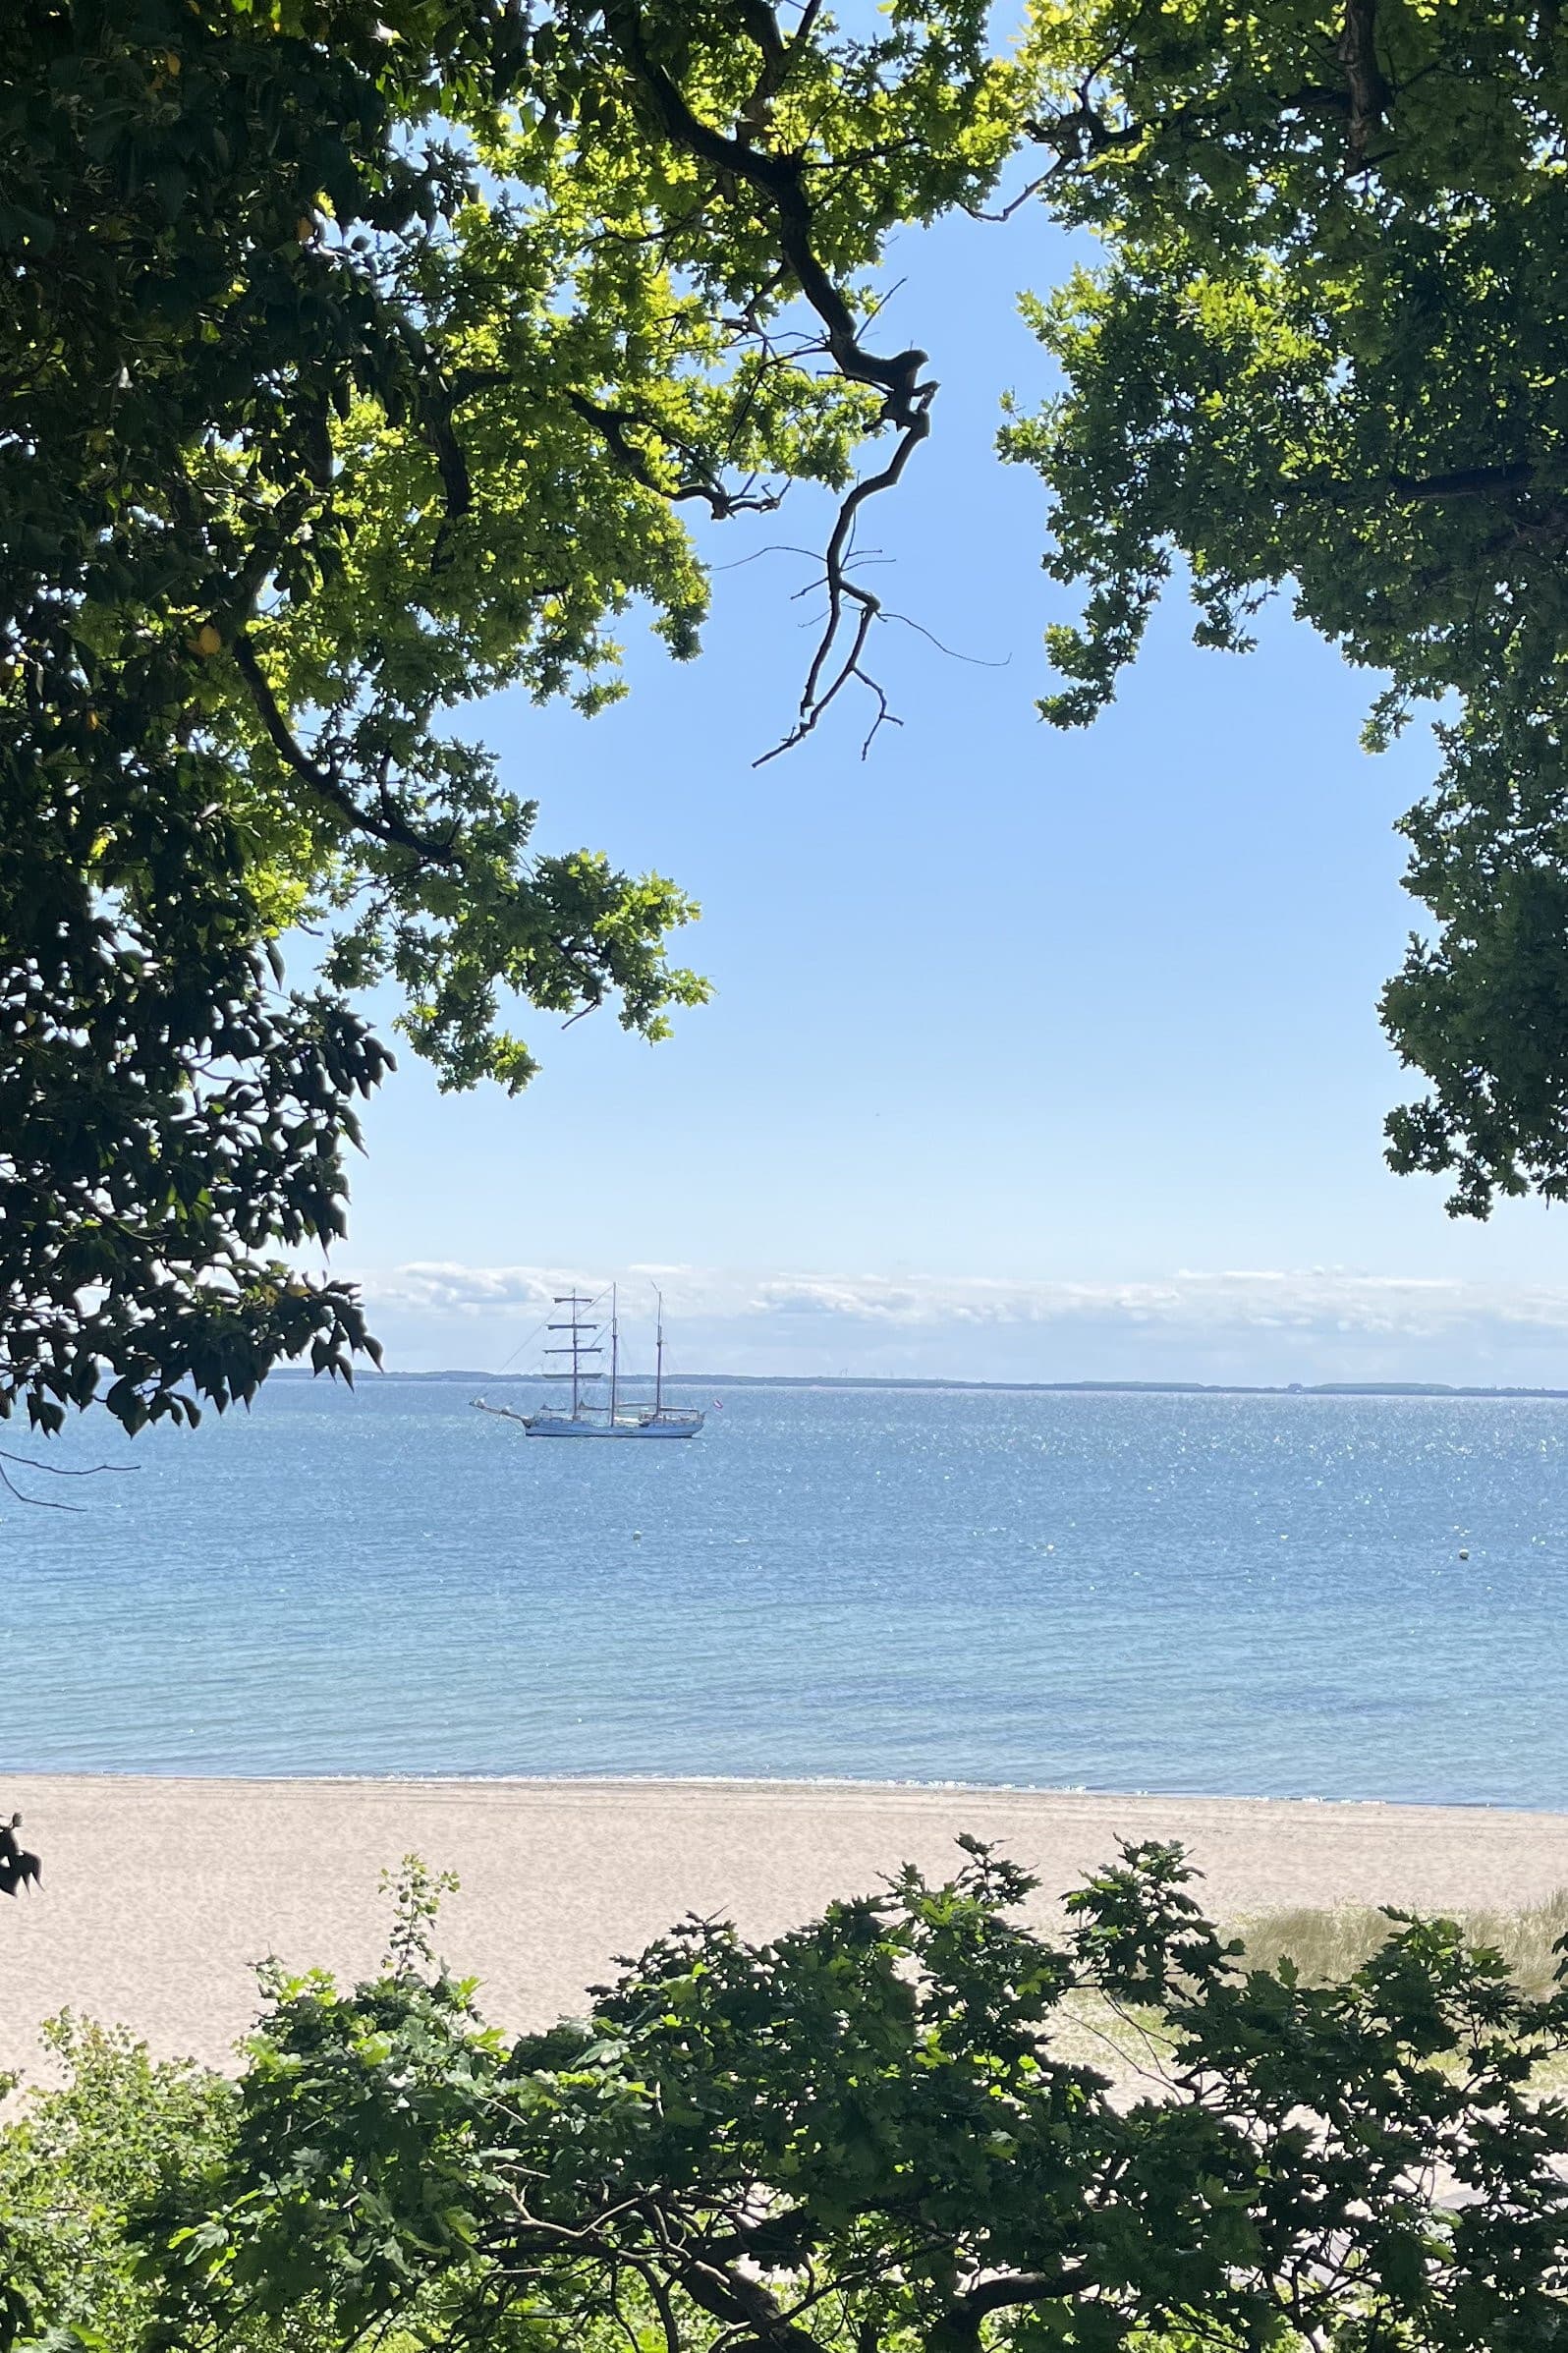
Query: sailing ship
(615,1418)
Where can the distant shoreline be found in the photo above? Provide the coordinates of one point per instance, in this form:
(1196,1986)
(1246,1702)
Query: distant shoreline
(1041,1388)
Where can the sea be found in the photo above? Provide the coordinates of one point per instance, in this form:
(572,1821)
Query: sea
(1321,1597)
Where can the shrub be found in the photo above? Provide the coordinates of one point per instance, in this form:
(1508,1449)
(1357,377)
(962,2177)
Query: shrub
(864,2134)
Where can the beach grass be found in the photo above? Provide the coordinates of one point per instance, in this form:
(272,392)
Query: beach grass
(1328,1943)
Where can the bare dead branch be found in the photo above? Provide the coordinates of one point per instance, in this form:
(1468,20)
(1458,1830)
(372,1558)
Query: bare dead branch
(886,716)
(65,1470)
(779,182)
(849,605)
(976,662)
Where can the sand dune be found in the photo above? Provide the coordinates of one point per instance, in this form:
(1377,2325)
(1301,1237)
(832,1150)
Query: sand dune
(160,1895)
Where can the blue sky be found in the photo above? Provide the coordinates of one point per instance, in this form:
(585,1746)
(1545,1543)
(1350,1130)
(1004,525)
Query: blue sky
(1019,1030)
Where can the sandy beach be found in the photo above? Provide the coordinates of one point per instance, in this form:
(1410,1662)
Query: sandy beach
(159,1896)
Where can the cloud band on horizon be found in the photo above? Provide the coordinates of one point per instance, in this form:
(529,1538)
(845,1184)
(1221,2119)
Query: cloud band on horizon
(1253,1324)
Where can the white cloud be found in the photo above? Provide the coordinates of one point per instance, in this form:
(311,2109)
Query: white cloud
(465,1290)
(1245,1324)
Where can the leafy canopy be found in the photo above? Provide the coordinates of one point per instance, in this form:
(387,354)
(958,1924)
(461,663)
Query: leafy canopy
(875,2133)
(356,360)
(1326,348)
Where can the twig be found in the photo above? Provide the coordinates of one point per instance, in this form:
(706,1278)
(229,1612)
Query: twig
(38,1502)
(54,1471)
(976,662)
(64,1469)
(977,212)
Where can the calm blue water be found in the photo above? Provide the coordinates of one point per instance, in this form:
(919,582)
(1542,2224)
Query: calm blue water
(1252,1595)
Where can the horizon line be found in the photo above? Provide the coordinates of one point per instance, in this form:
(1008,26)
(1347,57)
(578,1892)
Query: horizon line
(895,1381)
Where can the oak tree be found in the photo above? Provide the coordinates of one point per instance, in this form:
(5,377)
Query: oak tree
(355,361)
(1326,353)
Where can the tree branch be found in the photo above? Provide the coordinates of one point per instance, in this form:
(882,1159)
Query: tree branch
(1463,482)
(1083,132)
(763,25)
(960,2324)
(1370,93)
(53,1471)
(736,2297)
(389,826)
(612,423)
(781,181)
(654,2280)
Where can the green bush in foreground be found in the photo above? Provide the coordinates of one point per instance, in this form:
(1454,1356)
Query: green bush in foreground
(864,2134)
(110,2140)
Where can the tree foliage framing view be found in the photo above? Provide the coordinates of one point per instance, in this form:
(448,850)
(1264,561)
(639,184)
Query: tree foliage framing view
(874,2135)
(356,361)
(1328,350)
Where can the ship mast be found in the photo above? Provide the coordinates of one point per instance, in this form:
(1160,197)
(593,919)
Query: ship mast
(615,1347)
(577,1348)
(658,1375)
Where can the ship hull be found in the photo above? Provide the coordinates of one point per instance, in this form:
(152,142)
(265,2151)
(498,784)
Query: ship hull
(563,1426)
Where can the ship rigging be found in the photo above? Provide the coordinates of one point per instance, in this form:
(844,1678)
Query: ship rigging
(585,1417)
